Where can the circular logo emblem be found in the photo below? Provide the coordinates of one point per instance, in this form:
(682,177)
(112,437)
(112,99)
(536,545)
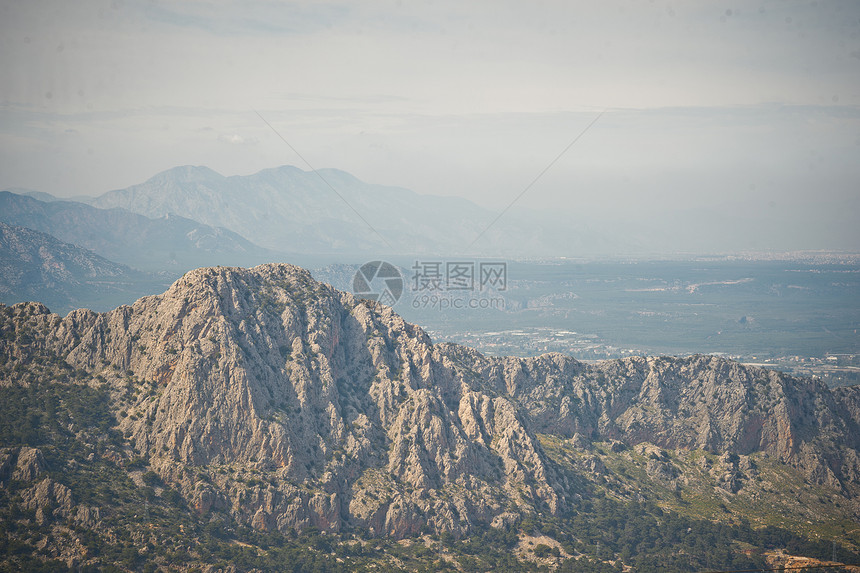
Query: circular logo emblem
(379,281)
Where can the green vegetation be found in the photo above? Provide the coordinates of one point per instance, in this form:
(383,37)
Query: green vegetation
(759,517)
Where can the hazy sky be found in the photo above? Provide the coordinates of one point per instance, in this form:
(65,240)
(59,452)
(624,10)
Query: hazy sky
(731,108)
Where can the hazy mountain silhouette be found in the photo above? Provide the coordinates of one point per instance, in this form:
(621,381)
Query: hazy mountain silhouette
(166,243)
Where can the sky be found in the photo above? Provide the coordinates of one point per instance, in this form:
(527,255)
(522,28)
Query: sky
(712,116)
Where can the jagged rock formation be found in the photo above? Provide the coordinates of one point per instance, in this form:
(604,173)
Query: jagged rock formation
(289,404)
(701,402)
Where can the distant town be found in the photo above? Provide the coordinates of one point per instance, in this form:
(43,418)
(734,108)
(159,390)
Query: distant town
(833,369)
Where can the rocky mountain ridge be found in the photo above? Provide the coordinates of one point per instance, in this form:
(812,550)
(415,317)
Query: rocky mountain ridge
(287,404)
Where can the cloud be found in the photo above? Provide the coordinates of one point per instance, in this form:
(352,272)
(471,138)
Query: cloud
(236,139)
(251,17)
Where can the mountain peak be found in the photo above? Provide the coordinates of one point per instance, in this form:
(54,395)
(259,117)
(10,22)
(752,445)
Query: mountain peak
(187,173)
(219,280)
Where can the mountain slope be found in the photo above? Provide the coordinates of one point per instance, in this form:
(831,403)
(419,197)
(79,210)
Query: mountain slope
(263,399)
(333,212)
(168,243)
(36,266)
(302,381)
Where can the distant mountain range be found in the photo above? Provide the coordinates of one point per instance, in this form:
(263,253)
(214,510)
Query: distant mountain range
(195,216)
(330,211)
(188,217)
(165,243)
(37,266)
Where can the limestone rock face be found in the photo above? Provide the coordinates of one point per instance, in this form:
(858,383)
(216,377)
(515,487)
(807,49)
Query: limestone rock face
(699,402)
(29,465)
(290,404)
(354,416)
(48,497)
(22,464)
